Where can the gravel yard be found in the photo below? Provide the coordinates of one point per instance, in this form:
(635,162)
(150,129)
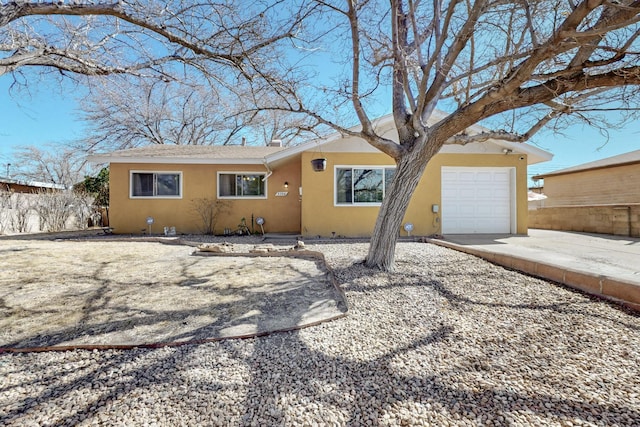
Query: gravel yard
(448,339)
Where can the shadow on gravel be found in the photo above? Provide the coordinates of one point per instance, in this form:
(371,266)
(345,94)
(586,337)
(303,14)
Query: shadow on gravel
(367,392)
(72,301)
(286,373)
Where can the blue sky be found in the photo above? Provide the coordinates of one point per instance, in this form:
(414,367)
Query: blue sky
(46,115)
(41,116)
(582,144)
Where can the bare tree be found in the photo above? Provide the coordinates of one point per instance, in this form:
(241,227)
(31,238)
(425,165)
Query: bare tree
(520,64)
(53,165)
(523,64)
(546,59)
(124,112)
(144,38)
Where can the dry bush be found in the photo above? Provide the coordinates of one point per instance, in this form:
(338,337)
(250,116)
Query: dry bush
(21,208)
(5,213)
(207,210)
(54,209)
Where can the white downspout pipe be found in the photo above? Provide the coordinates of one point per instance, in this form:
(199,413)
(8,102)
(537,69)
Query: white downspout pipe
(269,171)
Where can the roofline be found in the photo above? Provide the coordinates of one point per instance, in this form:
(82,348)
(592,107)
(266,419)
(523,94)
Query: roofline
(314,143)
(318,142)
(527,149)
(105,158)
(592,168)
(4,180)
(297,149)
(518,147)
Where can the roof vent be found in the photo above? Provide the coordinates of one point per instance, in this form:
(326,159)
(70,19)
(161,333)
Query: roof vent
(275,143)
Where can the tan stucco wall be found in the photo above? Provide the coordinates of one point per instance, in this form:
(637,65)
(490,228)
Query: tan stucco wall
(321,218)
(621,220)
(282,214)
(605,186)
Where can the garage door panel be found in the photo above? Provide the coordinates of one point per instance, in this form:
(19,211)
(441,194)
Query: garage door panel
(467,193)
(449,176)
(466,177)
(466,211)
(502,178)
(483,193)
(501,212)
(482,177)
(476,200)
(484,211)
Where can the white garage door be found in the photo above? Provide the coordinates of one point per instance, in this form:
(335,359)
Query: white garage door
(477,200)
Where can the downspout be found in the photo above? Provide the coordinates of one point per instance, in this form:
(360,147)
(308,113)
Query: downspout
(269,171)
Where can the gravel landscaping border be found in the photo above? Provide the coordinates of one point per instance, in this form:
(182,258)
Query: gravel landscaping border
(446,340)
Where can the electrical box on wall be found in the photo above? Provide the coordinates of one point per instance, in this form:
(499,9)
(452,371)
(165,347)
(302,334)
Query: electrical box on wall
(435,208)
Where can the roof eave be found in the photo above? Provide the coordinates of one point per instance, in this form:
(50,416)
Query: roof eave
(174,160)
(534,154)
(568,172)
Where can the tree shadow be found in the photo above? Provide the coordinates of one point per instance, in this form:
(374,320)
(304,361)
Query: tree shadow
(285,372)
(269,380)
(221,312)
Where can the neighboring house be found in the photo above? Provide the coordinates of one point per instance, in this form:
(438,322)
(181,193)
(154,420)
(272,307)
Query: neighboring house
(17,199)
(476,188)
(17,186)
(599,197)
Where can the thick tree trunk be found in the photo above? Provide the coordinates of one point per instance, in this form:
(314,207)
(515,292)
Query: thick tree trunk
(387,229)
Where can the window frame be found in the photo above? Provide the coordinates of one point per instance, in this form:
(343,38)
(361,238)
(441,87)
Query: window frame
(154,173)
(262,176)
(353,168)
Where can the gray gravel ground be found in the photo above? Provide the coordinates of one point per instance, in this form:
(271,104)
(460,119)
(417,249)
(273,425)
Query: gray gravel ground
(448,339)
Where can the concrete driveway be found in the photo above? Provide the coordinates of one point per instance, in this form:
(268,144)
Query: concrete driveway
(603,265)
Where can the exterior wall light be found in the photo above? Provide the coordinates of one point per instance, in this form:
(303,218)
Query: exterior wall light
(319,165)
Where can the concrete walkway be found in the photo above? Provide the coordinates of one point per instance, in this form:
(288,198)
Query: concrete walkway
(603,265)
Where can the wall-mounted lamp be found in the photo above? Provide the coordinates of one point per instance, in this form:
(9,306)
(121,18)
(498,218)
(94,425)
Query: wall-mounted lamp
(286,184)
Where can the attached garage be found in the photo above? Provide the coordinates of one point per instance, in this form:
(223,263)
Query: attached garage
(478,200)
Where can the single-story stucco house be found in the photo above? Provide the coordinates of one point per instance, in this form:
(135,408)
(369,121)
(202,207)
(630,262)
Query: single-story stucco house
(602,196)
(476,188)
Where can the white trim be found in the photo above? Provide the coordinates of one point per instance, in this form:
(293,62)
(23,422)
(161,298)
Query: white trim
(262,175)
(513,183)
(359,204)
(297,149)
(534,154)
(161,172)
